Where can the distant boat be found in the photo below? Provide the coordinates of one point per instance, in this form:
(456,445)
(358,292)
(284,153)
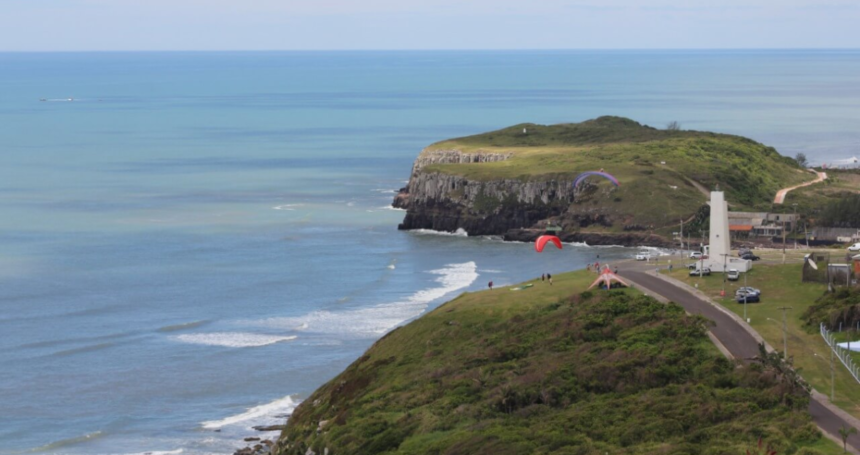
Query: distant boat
(42,99)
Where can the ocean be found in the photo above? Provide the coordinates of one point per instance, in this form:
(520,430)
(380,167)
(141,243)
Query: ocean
(191,243)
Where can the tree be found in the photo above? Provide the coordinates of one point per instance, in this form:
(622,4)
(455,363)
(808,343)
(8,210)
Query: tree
(845,432)
(673,126)
(801,159)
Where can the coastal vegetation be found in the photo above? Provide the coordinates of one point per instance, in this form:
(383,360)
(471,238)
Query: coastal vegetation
(832,203)
(836,309)
(781,286)
(554,369)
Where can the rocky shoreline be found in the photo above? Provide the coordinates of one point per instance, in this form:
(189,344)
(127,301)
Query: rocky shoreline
(628,239)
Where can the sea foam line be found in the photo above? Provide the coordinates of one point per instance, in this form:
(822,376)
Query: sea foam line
(260,415)
(233,339)
(376,320)
(460,232)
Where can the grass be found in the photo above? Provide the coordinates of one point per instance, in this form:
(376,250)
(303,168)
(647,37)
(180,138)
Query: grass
(781,286)
(813,200)
(552,369)
(652,194)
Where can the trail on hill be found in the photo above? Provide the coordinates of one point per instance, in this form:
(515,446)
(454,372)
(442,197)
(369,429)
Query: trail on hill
(780,195)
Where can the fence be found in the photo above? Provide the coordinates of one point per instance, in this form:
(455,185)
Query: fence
(843,354)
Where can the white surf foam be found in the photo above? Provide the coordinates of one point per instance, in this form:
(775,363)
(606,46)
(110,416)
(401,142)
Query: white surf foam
(376,320)
(290,207)
(264,414)
(653,249)
(158,452)
(233,339)
(392,208)
(460,232)
(385,191)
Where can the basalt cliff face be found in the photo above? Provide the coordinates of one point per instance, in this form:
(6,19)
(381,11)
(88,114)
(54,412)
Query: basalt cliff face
(517,210)
(444,202)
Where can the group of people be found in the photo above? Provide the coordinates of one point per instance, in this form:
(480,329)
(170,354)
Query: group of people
(546,277)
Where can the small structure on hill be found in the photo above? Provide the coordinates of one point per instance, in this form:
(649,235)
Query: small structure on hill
(839,275)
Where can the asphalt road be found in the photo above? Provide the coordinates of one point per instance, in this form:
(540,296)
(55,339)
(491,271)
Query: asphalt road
(735,338)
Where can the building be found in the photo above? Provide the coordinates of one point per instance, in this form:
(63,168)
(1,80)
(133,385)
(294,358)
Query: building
(832,234)
(760,224)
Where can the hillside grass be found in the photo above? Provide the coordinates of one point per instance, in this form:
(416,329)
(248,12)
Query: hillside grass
(552,369)
(749,172)
(813,201)
(781,286)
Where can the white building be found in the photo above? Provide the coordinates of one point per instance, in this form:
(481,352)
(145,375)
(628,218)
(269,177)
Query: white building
(720,256)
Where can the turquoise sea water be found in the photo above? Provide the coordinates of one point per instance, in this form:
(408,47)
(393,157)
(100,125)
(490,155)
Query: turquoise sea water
(190,243)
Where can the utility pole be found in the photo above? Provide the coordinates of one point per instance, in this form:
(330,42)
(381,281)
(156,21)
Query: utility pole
(832,377)
(784,332)
(745,296)
(725,259)
(783,241)
(794,220)
(682,233)
(702,258)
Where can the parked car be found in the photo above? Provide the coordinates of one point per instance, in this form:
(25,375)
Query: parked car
(693,265)
(750,257)
(744,251)
(695,255)
(733,275)
(699,272)
(748,298)
(643,256)
(854,248)
(747,290)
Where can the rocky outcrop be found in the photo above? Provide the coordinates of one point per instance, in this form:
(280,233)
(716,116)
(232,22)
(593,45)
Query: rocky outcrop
(445,202)
(432,156)
(448,202)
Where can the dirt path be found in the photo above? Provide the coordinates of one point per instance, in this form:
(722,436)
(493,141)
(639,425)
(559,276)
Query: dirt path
(780,195)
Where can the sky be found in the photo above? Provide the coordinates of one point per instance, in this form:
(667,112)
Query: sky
(173,25)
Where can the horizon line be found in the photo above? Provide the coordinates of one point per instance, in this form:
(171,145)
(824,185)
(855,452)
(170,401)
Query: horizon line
(613,49)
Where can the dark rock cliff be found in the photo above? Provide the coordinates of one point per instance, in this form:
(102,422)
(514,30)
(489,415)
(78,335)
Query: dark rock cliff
(515,209)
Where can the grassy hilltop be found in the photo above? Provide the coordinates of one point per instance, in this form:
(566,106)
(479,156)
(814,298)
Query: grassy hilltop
(552,370)
(651,193)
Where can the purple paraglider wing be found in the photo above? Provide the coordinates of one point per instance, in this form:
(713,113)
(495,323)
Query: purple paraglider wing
(579,178)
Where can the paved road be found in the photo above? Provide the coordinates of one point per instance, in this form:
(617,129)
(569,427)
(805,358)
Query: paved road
(780,195)
(738,341)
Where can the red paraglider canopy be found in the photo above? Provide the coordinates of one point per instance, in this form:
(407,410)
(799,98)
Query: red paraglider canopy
(541,242)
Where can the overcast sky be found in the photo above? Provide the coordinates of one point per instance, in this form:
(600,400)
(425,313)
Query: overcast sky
(79,25)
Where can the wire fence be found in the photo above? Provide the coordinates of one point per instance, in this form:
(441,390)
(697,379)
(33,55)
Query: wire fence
(844,354)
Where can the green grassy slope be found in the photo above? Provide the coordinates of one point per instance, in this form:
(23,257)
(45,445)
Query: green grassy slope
(750,173)
(552,370)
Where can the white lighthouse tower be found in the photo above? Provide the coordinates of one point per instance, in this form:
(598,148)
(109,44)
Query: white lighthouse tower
(720,249)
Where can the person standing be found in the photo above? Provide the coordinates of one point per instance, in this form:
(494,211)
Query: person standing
(549,278)
(543,276)
(490,285)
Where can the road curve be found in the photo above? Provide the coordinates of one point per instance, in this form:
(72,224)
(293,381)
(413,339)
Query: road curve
(780,195)
(735,338)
